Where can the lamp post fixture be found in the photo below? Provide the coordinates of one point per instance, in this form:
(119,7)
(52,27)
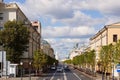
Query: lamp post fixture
(113,70)
(21,63)
(30,71)
(113,52)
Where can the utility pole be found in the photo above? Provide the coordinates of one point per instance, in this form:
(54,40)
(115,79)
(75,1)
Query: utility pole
(1,60)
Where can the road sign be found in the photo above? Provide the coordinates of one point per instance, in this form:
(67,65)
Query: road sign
(118,68)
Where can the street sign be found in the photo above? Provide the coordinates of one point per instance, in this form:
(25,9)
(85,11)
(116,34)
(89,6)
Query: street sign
(118,68)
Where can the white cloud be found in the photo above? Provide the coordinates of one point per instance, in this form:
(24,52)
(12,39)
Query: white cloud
(68,32)
(53,8)
(66,9)
(104,6)
(78,26)
(80,18)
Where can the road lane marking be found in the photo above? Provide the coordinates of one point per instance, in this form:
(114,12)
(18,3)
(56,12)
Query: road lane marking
(53,76)
(65,77)
(77,76)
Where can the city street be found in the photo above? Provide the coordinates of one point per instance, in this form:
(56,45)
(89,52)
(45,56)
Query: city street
(59,40)
(67,74)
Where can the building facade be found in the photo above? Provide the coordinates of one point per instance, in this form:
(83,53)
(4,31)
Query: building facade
(37,26)
(47,49)
(13,12)
(74,53)
(107,35)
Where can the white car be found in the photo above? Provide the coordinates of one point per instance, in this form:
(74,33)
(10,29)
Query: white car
(59,69)
(53,67)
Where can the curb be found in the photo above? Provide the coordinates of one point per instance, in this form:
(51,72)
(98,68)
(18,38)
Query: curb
(90,76)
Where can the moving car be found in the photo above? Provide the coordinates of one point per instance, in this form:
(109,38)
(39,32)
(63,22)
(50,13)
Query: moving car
(53,67)
(59,69)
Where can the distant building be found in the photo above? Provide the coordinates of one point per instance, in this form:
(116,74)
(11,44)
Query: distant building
(47,49)
(73,53)
(56,56)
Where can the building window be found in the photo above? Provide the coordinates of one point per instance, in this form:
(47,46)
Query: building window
(114,38)
(1,28)
(1,16)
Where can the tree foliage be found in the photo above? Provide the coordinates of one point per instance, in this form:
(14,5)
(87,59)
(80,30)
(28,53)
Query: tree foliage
(85,59)
(40,59)
(117,52)
(68,61)
(14,37)
(106,58)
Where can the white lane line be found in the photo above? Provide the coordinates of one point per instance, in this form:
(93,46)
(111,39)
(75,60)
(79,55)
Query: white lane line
(53,76)
(65,77)
(77,76)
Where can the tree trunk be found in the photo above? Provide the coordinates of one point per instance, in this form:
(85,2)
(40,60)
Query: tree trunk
(36,72)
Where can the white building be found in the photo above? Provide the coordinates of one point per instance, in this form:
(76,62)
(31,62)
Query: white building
(74,53)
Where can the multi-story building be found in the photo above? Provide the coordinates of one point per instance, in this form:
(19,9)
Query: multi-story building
(13,12)
(37,26)
(47,49)
(77,51)
(74,53)
(107,35)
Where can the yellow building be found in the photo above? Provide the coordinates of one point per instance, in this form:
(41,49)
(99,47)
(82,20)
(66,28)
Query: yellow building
(107,35)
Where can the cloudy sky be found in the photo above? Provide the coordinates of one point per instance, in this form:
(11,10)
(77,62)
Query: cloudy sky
(67,22)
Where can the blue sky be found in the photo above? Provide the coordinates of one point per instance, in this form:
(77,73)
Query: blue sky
(67,22)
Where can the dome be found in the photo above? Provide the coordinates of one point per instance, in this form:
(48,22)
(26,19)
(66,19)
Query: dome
(44,42)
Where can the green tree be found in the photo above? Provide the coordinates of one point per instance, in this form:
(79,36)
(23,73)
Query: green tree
(91,59)
(15,38)
(68,61)
(117,52)
(51,61)
(39,60)
(106,56)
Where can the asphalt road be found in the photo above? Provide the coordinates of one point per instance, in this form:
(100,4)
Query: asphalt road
(66,74)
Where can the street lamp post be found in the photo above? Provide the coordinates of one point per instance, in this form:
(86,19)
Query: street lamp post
(21,63)
(113,70)
(30,71)
(102,67)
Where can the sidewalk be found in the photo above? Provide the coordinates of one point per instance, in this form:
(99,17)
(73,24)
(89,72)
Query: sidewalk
(19,78)
(97,77)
